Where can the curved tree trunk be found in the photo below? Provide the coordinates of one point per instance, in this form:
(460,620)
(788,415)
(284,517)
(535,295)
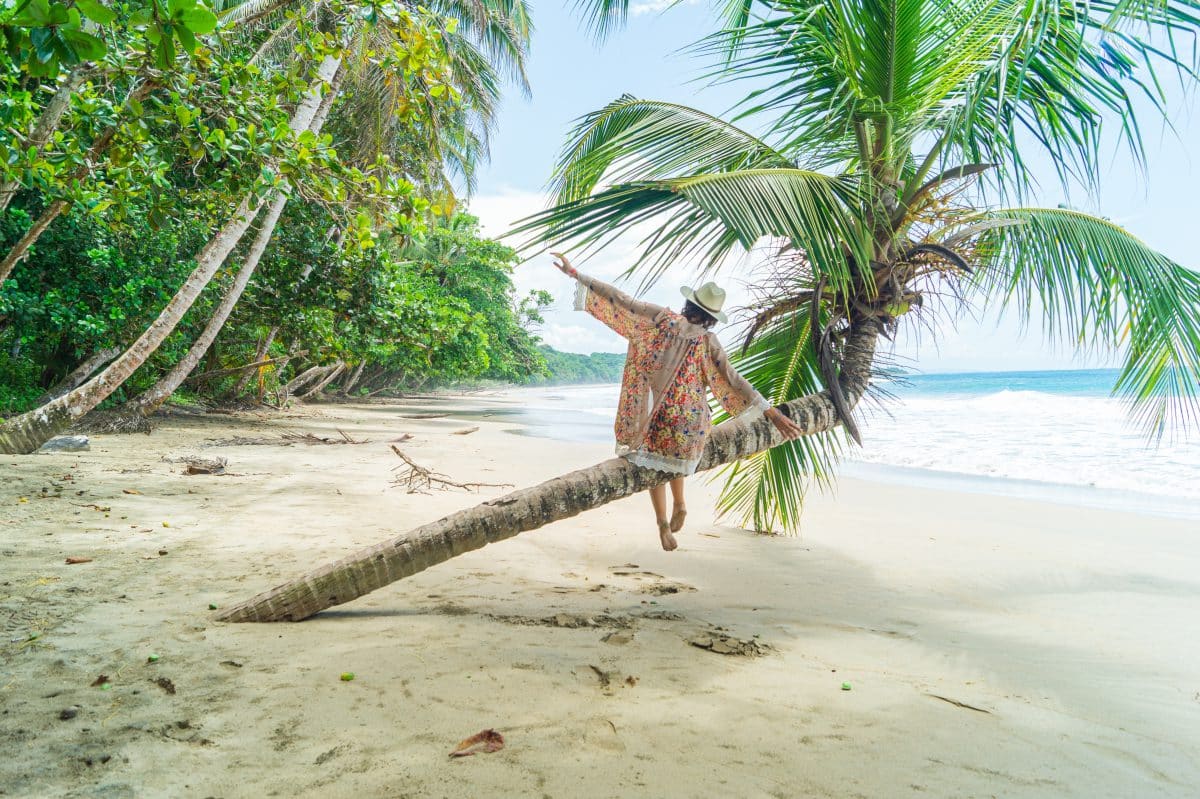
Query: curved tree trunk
(260,356)
(80,374)
(531,508)
(306,377)
(329,377)
(352,381)
(25,433)
(153,398)
(46,125)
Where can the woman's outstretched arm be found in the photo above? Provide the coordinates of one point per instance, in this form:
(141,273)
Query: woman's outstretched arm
(735,393)
(627,310)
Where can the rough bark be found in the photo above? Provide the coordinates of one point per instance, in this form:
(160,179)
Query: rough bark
(80,374)
(306,377)
(47,123)
(25,433)
(531,508)
(20,250)
(353,379)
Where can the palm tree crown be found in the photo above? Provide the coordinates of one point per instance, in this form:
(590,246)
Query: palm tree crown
(904,138)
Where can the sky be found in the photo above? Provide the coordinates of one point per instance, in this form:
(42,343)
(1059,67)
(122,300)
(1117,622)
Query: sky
(571,75)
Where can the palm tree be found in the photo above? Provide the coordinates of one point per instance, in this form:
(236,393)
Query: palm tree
(903,139)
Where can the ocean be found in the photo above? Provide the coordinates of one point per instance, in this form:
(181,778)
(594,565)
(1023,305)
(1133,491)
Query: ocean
(1052,436)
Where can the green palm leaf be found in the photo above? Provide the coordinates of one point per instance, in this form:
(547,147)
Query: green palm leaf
(766,490)
(634,139)
(1096,284)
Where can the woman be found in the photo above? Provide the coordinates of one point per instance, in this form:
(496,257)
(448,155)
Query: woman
(673,359)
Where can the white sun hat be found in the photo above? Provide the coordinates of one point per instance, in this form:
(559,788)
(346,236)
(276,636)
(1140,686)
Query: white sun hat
(710,297)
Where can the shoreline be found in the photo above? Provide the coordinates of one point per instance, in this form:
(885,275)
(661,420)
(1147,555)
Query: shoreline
(994,646)
(564,425)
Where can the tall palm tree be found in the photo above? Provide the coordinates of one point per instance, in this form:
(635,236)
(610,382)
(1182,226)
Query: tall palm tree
(903,139)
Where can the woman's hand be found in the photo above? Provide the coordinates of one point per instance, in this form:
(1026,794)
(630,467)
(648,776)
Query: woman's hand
(783,424)
(564,265)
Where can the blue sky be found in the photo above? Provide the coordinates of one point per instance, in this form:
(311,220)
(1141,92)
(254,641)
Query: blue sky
(571,75)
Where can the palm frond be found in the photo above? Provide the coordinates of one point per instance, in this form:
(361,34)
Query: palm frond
(767,489)
(703,217)
(1096,284)
(634,139)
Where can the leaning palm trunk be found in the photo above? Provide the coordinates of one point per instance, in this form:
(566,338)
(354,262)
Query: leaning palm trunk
(46,125)
(153,398)
(80,374)
(260,355)
(27,432)
(531,508)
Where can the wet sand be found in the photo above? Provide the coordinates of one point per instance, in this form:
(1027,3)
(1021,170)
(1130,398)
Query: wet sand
(992,646)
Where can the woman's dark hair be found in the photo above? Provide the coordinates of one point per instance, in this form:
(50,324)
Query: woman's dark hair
(697,315)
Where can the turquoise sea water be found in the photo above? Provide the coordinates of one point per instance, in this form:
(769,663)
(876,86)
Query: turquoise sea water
(1055,435)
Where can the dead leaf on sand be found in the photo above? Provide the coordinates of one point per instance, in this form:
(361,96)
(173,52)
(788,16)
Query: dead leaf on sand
(484,741)
(73,561)
(466,431)
(103,678)
(165,684)
(130,491)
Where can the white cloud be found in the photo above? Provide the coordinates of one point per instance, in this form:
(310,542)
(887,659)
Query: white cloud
(644,7)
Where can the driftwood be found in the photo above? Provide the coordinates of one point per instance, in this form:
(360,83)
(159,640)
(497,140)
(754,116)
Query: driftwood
(285,440)
(417,478)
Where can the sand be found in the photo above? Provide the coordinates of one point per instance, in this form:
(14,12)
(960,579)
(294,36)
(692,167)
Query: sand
(992,647)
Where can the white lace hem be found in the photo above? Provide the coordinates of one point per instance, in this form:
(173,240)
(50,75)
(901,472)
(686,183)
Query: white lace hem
(661,463)
(581,292)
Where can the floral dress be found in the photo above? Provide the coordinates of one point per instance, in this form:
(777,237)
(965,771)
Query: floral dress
(663,416)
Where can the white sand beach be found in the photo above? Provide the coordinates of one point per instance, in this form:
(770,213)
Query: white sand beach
(993,647)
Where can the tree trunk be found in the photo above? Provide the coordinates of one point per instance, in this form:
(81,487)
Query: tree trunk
(25,433)
(260,355)
(334,371)
(531,508)
(353,381)
(52,211)
(46,125)
(80,374)
(306,377)
(153,398)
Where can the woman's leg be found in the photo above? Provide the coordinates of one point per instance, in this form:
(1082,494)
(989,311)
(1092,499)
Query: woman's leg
(679,507)
(658,498)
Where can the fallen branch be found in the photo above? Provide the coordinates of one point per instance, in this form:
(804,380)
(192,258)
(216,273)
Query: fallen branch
(417,478)
(309,438)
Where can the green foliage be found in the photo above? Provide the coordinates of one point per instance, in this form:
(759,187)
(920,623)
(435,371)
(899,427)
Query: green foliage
(565,368)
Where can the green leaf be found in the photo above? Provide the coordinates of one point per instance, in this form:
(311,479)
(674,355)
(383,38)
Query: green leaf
(199,20)
(1096,284)
(86,46)
(96,11)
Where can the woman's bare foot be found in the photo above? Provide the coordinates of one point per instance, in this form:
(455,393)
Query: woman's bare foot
(677,518)
(664,535)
